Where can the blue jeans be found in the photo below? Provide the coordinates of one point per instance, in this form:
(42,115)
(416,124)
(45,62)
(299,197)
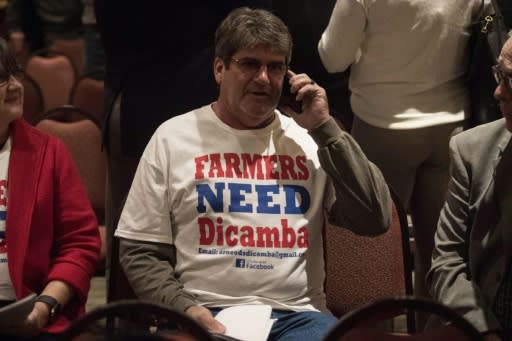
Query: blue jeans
(298,326)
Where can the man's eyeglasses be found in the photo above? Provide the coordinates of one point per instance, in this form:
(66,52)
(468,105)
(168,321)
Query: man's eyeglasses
(499,76)
(253,66)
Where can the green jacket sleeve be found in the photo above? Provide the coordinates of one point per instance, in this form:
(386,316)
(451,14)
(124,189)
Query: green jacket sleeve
(149,268)
(363,201)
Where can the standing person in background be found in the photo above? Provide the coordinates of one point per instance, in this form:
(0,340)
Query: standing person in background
(158,64)
(306,21)
(94,56)
(34,24)
(506,10)
(408,96)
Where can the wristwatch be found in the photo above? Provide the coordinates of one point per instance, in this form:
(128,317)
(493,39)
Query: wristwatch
(52,304)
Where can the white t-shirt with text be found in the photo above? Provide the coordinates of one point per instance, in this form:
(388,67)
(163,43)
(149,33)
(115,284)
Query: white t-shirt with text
(245,209)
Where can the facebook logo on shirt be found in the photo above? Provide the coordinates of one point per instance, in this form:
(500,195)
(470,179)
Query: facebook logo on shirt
(240,263)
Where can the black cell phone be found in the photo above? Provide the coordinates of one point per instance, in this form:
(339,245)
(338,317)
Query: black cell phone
(288,99)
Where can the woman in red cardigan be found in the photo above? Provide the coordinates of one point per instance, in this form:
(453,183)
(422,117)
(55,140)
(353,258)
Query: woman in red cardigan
(49,240)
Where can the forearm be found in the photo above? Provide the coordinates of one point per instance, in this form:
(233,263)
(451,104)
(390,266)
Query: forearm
(449,285)
(448,279)
(75,235)
(149,267)
(343,36)
(40,315)
(363,202)
(59,290)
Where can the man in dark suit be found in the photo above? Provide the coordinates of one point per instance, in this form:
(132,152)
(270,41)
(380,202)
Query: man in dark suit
(473,244)
(158,65)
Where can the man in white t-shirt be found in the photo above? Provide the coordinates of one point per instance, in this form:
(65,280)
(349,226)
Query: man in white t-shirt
(229,200)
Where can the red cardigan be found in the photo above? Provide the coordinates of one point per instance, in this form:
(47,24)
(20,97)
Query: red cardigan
(51,229)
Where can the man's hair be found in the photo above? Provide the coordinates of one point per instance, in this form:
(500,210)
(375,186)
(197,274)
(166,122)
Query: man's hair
(246,28)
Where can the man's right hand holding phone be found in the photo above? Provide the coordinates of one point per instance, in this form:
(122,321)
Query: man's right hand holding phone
(313,98)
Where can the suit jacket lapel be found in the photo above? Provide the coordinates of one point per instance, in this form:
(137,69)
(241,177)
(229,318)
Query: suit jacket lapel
(503,195)
(487,204)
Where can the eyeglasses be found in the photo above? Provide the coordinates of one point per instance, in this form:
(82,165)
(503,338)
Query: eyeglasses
(252,66)
(499,76)
(6,76)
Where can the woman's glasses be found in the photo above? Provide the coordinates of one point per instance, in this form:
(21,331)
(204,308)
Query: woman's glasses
(6,76)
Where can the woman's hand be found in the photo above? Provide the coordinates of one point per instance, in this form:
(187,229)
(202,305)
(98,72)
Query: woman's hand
(32,325)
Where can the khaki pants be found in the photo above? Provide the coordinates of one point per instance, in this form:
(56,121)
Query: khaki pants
(415,163)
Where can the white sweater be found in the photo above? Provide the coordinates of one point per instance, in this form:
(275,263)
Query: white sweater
(408,58)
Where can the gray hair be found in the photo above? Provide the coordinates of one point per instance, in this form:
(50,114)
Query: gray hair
(246,28)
